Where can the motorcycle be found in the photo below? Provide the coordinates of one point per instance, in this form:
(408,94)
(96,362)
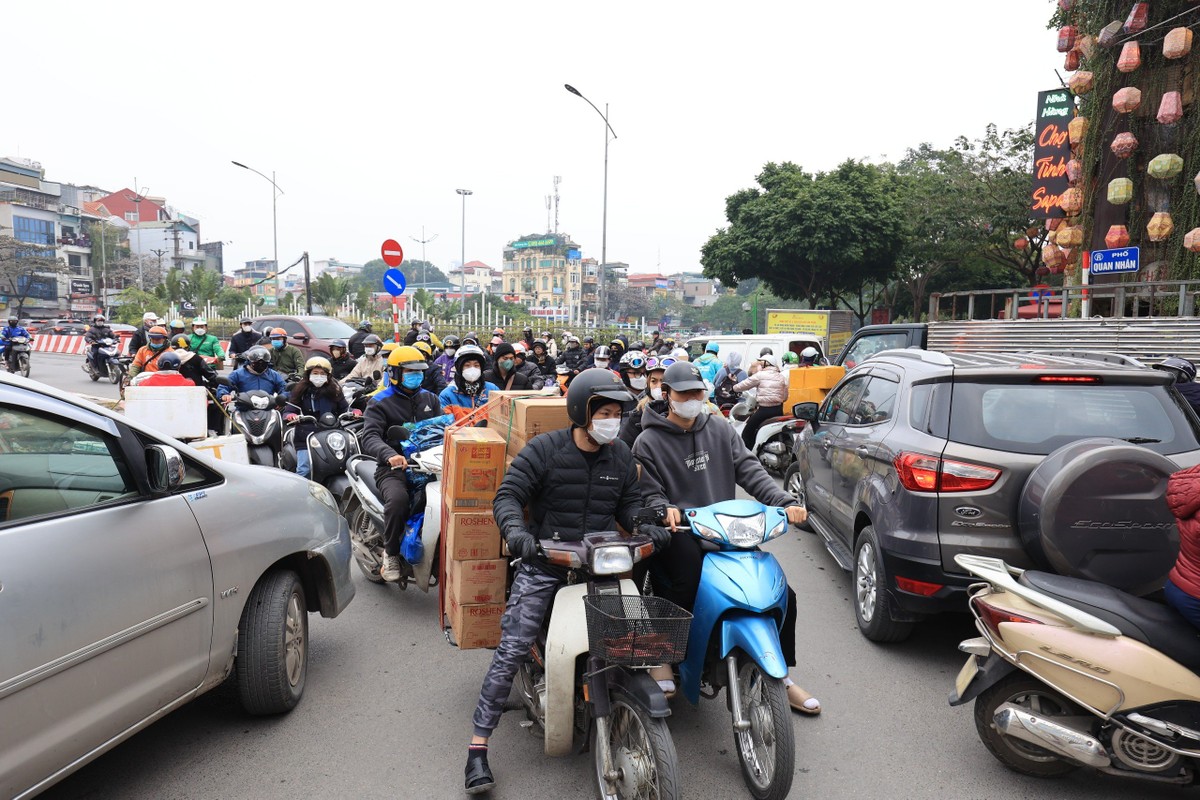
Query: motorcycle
(16,355)
(1071,673)
(357,391)
(330,446)
(587,681)
(774,439)
(109,351)
(734,638)
(255,414)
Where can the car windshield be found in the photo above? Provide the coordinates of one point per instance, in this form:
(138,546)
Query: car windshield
(1038,419)
(327,328)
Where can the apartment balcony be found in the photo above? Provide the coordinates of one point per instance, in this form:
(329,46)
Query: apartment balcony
(590,297)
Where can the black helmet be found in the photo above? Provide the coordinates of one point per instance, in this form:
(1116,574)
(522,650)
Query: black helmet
(258,359)
(527,329)
(589,340)
(683,376)
(338,343)
(168,361)
(364,325)
(450,341)
(638,346)
(594,385)
(1183,370)
(371,340)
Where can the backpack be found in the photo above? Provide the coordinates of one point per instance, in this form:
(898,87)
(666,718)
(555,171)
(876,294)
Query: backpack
(724,394)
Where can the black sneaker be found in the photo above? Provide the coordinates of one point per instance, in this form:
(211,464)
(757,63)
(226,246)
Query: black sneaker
(479,775)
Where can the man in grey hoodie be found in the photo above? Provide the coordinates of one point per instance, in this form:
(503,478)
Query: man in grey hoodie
(691,459)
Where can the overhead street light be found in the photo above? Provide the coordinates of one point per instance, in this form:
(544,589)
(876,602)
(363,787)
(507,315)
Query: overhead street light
(275,192)
(604,225)
(462,283)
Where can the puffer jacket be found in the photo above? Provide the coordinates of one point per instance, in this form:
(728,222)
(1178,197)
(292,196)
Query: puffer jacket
(574,358)
(566,496)
(1183,498)
(771,385)
(388,408)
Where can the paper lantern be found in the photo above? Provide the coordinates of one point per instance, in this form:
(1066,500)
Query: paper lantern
(1086,45)
(1053,257)
(1031,231)
(1120,191)
(1109,33)
(1124,145)
(1138,17)
(1071,201)
(1077,130)
(1127,99)
(1177,44)
(1165,166)
(1081,82)
(1066,38)
(1160,227)
(1065,5)
(1170,110)
(1071,236)
(1054,223)
(1071,63)
(1191,240)
(1074,171)
(1021,243)
(1117,236)
(1131,57)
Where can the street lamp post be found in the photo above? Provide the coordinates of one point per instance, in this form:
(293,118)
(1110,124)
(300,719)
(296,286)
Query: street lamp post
(462,267)
(604,224)
(275,192)
(423,241)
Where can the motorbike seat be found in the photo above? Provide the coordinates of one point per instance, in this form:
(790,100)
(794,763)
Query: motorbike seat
(1150,623)
(364,468)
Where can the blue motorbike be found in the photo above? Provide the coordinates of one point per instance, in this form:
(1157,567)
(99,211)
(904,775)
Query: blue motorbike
(734,638)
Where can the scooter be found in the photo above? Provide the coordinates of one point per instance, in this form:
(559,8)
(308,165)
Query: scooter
(587,681)
(255,414)
(773,442)
(109,350)
(16,355)
(330,446)
(734,638)
(1070,673)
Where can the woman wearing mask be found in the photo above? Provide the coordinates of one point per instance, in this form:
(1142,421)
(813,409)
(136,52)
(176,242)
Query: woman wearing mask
(372,361)
(652,398)
(772,391)
(633,371)
(468,390)
(602,358)
(445,362)
(503,373)
(315,394)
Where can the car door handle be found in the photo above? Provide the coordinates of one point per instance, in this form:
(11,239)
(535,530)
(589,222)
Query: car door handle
(862,451)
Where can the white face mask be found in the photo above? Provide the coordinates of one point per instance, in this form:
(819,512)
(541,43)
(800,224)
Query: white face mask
(370,350)
(471,374)
(200,331)
(247,328)
(450,351)
(689,409)
(605,430)
(638,383)
(318,380)
(602,363)
(656,393)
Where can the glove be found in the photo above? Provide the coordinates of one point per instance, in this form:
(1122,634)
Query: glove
(289,417)
(356,412)
(659,535)
(522,545)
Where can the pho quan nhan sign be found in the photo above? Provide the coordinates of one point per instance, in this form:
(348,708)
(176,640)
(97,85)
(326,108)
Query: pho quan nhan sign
(1051,152)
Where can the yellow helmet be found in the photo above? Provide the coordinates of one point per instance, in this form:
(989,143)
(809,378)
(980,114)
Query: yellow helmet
(424,347)
(318,361)
(389,347)
(407,357)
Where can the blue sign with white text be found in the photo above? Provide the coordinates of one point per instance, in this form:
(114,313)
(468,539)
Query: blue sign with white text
(1113,262)
(394,283)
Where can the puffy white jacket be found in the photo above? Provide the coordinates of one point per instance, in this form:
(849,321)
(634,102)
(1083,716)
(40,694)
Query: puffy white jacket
(771,385)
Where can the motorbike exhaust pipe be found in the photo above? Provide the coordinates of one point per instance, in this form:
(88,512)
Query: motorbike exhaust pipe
(1069,743)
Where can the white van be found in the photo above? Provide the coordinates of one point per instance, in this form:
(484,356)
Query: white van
(751,346)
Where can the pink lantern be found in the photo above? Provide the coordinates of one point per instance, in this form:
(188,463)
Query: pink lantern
(1138,17)
(1071,62)
(1066,38)
(1124,145)
(1118,236)
(1131,57)
(1170,110)
(1074,171)
(1127,99)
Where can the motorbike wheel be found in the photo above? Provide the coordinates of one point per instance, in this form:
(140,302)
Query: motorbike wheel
(362,530)
(114,375)
(642,752)
(1031,695)
(23,364)
(793,484)
(90,369)
(767,751)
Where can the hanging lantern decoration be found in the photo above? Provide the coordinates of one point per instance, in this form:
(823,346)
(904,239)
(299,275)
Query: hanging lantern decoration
(1086,45)
(1042,271)
(1138,17)
(1054,223)
(1031,231)
(1070,236)
(1074,171)
(1077,130)
(1066,38)
(1170,110)
(1071,201)
(1165,166)
(1052,237)
(1191,240)
(1053,257)
(1131,57)
(1124,145)
(1127,100)
(1160,227)
(1117,236)
(1021,243)
(1109,33)
(1081,82)
(1065,5)
(1120,191)
(1177,44)
(1071,63)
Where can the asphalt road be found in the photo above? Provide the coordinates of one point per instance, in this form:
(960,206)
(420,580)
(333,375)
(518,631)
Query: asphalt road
(387,709)
(66,372)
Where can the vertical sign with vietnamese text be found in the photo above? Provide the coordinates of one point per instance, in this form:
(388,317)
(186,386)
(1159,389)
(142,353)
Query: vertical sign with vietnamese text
(1051,152)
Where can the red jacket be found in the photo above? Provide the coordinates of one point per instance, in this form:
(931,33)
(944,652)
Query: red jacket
(1183,498)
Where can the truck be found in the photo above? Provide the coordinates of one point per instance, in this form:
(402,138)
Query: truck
(832,328)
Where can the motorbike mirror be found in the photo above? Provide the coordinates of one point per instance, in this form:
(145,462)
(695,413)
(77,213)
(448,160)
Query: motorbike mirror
(398,433)
(377,375)
(805,411)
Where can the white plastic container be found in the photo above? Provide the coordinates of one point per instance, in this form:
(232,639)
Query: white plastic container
(230,448)
(177,411)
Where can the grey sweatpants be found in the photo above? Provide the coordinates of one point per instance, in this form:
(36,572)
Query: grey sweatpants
(532,591)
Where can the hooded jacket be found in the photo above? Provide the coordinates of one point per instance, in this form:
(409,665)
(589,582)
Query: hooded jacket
(771,385)
(574,358)
(536,379)
(732,369)
(631,426)
(388,408)
(708,364)
(1183,498)
(457,394)
(700,466)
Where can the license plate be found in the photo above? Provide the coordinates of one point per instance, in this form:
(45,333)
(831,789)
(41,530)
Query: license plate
(966,675)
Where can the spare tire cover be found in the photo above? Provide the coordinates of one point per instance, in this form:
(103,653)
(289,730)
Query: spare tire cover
(1096,509)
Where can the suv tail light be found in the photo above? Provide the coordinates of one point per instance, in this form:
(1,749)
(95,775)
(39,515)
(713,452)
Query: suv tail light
(922,473)
(992,616)
(1067,379)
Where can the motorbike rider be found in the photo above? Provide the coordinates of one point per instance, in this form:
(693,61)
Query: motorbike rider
(543,360)
(356,341)
(708,363)
(146,359)
(772,391)
(285,358)
(536,379)
(573,481)
(617,347)
(98,332)
(652,397)
(445,362)
(729,375)
(176,328)
(167,374)
(242,341)
(140,336)
(339,359)
(1184,372)
(410,337)
(690,459)
(7,333)
(503,373)
(589,347)
(551,345)
(810,357)
(434,382)
(203,343)
(401,401)
(602,358)
(791,361)
(317,393)
(426,334)
(372,360)
(255,373)
(468,390)
(527,337)
(633,371)
(573,356)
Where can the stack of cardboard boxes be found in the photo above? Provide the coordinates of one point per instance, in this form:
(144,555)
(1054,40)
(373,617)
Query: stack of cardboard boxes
(520,418)
(810,384)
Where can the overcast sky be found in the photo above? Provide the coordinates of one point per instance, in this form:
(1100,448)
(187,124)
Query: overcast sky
(372,114)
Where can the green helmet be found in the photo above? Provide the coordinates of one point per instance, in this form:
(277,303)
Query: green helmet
(791,358)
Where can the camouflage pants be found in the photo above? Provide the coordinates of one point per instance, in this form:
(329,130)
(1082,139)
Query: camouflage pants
(532,591)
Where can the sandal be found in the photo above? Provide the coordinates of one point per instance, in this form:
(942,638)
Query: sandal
(802,701)
(479,775)
(665,677)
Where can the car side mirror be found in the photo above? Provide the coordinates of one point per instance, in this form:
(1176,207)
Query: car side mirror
(805,411)
(300,337)
(165,468)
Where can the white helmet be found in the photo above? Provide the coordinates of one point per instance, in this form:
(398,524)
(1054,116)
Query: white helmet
(770,359)
(679,354)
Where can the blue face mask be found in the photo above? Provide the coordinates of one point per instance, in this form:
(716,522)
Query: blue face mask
(278,343)
(412,380)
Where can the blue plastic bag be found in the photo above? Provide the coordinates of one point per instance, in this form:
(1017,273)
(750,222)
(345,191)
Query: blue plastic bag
(412,549)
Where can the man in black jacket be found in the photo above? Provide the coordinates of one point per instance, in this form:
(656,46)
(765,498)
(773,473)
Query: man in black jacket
(139,338)
(410,338)
(242,341)
(574,481)
(573,356)
(355,345)
(97,332)
(504,370)
(543,360)
(402,401)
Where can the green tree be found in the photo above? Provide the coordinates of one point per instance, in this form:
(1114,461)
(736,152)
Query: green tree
(329,291)
(23,269)
(372,273)
(133,303)
(232,302)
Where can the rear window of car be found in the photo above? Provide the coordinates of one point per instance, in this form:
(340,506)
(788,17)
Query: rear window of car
(1039,419)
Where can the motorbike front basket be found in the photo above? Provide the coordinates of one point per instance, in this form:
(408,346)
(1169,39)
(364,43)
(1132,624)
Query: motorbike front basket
(636,631)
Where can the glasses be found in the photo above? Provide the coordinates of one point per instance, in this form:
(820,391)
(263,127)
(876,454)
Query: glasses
(659,363)
(635,362)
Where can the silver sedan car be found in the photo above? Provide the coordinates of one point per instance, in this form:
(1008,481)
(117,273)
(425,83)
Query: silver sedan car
(137,574)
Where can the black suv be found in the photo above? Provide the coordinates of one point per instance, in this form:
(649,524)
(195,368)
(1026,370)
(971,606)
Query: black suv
(1043,460)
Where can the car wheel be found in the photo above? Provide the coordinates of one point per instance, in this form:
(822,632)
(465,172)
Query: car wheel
(793,484)
(872,603)
(272,649)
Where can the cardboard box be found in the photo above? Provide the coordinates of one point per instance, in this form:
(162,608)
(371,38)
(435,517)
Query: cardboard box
(515,443)
(500,403)
(477,582)
(476,625)
(473,467)
(532,416)
(472,535)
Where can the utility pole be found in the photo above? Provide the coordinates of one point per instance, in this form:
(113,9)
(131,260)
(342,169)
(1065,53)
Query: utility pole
(307,285)
(462,284)
(160,254)
(138,197)
(423,241)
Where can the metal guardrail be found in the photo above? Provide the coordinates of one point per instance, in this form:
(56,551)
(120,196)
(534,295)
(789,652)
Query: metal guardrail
(1117,300)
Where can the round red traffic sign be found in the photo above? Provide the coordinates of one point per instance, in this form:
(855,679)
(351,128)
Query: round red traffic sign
(392,253)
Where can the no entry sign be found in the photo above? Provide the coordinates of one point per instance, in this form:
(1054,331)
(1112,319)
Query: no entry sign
(392,253)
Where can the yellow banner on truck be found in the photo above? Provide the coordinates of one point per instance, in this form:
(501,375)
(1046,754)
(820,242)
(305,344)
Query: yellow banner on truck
(833,327)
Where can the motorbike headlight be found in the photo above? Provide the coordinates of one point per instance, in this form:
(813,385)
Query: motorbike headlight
(336,441)
(744,531)
(707,532)
(260,402)
(322,494)
(611,560)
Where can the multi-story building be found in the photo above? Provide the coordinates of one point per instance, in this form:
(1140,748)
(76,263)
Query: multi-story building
(698,290)
(214,255)
(547,271)
(173,244)
(653,286)
(338,269)
(29,212)
(257,277)
(475,277)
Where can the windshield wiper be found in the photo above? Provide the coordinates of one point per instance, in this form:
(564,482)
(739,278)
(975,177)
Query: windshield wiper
(1142,440)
